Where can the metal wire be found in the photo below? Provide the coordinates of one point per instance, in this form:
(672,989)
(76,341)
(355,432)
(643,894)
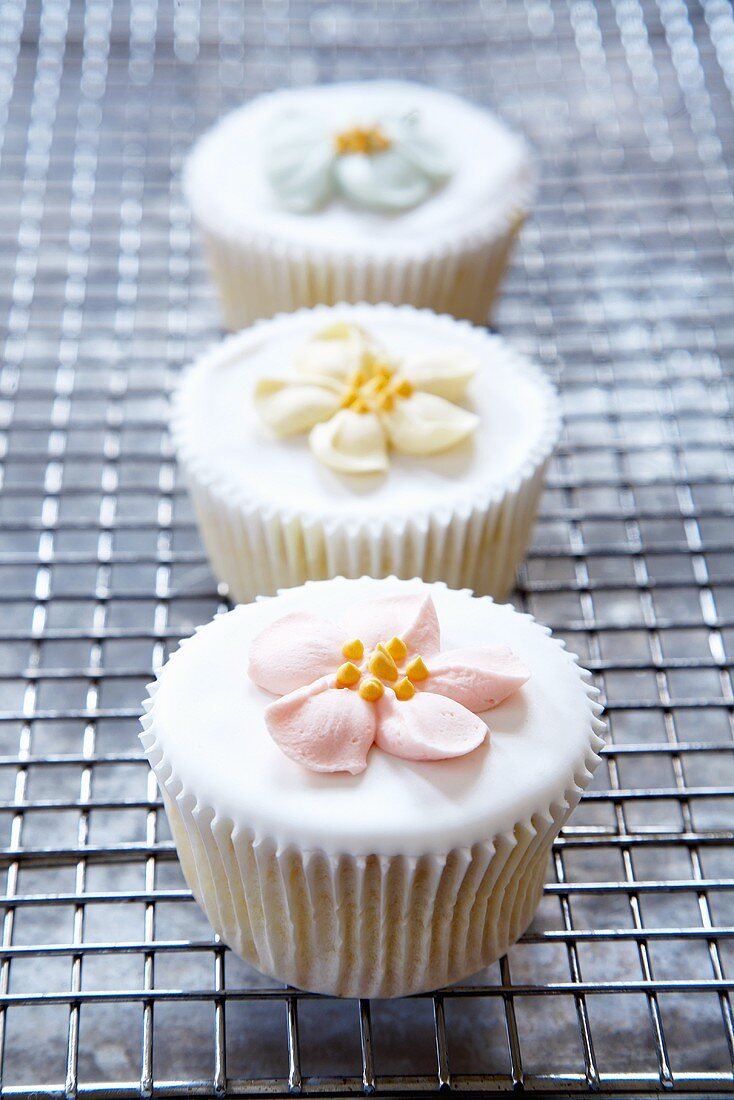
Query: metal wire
(110,981)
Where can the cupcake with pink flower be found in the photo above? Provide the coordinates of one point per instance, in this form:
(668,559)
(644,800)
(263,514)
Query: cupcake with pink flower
(364,778)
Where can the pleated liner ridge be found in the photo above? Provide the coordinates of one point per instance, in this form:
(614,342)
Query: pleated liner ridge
(257,279)
(257,548)
(261,270)
(364,926)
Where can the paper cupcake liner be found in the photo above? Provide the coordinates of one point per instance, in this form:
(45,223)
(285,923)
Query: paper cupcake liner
(365,926)
(256,553)
(256,548)
(257,279)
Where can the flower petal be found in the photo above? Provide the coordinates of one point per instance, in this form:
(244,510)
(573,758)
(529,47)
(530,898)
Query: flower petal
(351,443)
(427,727)
(336,351)
(446,372)
(289,408)
(383,181)
(299,161)
(294,651)
(477,678)
(412,618)
(324,728)
(424,424)
(418,148)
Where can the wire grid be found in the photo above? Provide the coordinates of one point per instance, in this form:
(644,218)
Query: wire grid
(110,980)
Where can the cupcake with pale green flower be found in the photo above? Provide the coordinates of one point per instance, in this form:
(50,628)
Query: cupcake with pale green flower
(364,440)
(372,191)
(389,164)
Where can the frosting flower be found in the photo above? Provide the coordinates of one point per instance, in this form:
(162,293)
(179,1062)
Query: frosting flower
(379,678)
(389,164)
(354,401)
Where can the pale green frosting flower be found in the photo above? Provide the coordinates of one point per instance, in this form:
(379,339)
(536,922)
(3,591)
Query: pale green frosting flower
(389,165)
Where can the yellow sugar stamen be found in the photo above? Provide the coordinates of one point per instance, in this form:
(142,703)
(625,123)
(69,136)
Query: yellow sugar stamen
(371,690)
(361,139)
(417,670)
(354,650)
(374,386)
(382,665)
(404,689)
(397,649)
(402,387)
(347,675)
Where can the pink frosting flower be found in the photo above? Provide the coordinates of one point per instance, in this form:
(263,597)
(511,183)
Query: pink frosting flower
(380,678)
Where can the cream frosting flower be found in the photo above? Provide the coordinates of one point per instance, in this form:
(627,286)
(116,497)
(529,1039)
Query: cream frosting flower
(379,677)
(389,164)
(355,402)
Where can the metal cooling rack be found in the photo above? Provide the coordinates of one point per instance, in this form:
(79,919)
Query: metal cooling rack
(110,981)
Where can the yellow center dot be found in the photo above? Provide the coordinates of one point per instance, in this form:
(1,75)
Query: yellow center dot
(402,387)
(371,690)
(347,675)
(382,665)
(397,649)
(375,386)
(361,139)
(354,650)
(404,689)
(417,670)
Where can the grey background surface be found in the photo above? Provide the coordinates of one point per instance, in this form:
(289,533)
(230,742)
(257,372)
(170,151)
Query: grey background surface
(622,288)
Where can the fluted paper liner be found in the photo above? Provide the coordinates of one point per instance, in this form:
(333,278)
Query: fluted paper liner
(259,278)
(260,271)
(365,926)
(256,547)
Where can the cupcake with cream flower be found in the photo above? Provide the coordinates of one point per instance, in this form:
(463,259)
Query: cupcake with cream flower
(357,403)
(364,439)
(373,191)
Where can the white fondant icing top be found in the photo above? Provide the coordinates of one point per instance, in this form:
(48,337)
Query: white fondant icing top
(217,428)
(207,734)
(491,177)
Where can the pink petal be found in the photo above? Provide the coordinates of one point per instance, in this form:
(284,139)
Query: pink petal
(427,727)
(412,618)
(326,729)
(477,678)
(295,651)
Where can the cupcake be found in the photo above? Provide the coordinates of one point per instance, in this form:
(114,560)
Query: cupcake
(364,778)
(374,191)
(364,440)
